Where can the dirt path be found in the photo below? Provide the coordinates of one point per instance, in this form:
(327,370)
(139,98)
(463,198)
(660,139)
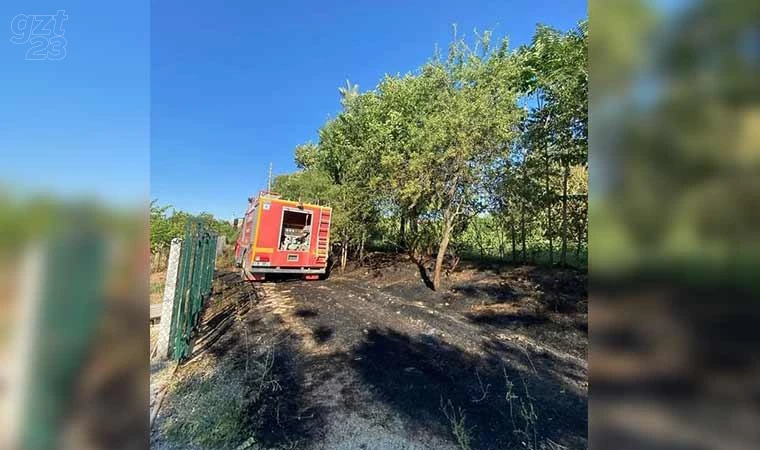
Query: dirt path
(382,364)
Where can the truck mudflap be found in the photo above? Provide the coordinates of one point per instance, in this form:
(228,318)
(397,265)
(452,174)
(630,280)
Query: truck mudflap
(249,276)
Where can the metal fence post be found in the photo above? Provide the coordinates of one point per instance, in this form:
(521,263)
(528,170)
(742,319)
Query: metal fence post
(168,303)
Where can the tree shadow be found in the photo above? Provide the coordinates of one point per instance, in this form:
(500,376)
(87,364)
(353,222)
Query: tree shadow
(258,391)
(425,379)
(711,346)
(506,319)
(214,333)
(564,290)
(305,313)
(279,410)
(322,334)
(256,384)
(424,275)
(492,293)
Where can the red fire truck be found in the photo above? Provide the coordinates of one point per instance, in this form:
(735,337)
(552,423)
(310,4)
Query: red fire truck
(283,237)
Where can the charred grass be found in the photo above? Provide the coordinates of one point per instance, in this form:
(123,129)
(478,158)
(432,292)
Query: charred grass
(254,385)
(482,401)
(549,304)
(243,388)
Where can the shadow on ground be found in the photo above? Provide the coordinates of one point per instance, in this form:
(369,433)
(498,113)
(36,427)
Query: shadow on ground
(507,319)
(258,380)
(427,381)
(491,293)
(278,410)
(263,397)
(688,353)
(250,383)
(564,290)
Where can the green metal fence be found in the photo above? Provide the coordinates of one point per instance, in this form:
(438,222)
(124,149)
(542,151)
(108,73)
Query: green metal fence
(68,308)
(195,274)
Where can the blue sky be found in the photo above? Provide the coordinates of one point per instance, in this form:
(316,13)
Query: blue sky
(237,87)
(192,100)
(79,125)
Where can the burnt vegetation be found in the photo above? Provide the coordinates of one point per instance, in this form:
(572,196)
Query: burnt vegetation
(266,381)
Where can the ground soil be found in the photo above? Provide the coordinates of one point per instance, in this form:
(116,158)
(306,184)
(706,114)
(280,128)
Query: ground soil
(371,358)
(157,281)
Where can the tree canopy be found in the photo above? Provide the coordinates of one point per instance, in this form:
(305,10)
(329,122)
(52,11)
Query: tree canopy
(485,141)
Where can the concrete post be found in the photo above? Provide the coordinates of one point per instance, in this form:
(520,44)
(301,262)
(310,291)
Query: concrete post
(221,241)
(162,350)
(24,339)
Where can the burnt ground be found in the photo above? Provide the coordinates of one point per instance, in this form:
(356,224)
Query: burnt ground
(373,359)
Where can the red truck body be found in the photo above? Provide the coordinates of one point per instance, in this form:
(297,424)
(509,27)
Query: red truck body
(283,237)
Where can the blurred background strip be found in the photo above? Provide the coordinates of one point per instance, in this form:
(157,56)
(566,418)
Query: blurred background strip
(675,224)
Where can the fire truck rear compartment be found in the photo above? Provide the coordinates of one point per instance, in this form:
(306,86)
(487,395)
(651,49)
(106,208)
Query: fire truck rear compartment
(295,233)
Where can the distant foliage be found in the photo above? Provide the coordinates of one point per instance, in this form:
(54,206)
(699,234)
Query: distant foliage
(165,226)
(42,216)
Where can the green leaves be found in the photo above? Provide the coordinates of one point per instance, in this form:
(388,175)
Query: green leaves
(164,226)
(430,150)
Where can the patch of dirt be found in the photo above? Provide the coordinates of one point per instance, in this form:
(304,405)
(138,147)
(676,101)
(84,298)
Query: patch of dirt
(372,358)
(157,282)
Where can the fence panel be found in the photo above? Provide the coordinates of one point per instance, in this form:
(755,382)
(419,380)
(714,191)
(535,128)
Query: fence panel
(194,280)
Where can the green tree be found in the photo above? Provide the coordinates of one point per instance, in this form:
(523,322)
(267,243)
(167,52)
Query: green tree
(455,155)
(554,72)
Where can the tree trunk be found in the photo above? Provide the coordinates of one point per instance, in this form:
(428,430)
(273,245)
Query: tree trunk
(565,176)
(448,220)
(548,192)
(417,247)
(402,232)
(549,211)
(522,227)
(578,246)
(514,242)
(581,226)
(343,256)
(361,246)
(501,243)
(479,237)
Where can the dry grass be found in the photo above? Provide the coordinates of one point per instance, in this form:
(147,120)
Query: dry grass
(209,408)
(157,282)
(456,418)
(206,411)
(211,404)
